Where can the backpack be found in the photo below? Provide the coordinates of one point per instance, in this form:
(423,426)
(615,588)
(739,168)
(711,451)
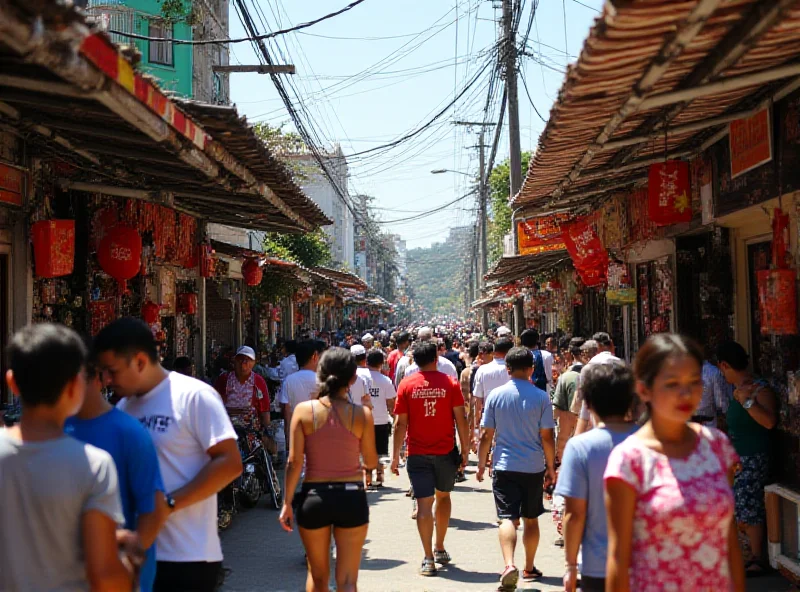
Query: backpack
(539,378)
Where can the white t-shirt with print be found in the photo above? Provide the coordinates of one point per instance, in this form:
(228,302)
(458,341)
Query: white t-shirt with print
(361,386)
(382,390)
(298,387)
(185,417)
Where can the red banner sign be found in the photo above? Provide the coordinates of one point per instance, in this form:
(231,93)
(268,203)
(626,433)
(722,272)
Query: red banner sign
(12,183)
(668,198)
(584,245)
(777,301)
(542,234)
(750,142)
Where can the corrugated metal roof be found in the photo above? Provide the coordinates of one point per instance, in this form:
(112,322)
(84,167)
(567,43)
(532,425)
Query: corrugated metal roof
(637,53)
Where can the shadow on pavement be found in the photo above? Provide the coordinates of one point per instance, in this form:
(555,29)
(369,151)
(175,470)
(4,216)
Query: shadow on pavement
(468,525)
(380,564)
(455,573)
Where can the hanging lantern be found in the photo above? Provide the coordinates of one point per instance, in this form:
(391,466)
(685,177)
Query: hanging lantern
(120,254)
(252,272)
(187,303)
(780,239)
(668,197)
(777,301)
(151,312)
(53,247)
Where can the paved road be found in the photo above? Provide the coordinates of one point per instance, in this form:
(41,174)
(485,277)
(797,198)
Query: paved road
(264,557)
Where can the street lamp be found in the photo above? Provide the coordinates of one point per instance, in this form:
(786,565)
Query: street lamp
(440,171)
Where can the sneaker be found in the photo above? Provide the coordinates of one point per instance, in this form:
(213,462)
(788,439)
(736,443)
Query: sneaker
(533,574)
(442,556)
(509,578)
(428,568)
(460,477)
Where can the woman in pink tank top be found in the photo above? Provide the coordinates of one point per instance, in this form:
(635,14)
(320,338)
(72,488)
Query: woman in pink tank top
(333,436)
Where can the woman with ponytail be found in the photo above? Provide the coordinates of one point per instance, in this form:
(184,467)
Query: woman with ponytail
(332,435)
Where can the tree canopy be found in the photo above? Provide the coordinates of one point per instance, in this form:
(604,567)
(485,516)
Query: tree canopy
(500,210)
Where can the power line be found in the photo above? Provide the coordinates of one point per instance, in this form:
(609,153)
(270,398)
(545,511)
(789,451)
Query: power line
(525,86)
(241,39)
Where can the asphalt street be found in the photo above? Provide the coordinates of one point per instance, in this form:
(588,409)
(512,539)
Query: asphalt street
(262,557)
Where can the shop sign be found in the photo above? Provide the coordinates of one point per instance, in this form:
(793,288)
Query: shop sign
(12,182)
(777,301)
(750,142)
(541,234)
(668,197)
(584,245)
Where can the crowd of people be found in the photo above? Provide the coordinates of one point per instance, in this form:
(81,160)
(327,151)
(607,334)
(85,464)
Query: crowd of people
(646,467)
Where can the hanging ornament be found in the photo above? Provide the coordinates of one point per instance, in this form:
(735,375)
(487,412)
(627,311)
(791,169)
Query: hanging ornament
(53,247)
(777,301)
(151,312)
(120,254)
(252,272)
(668,197)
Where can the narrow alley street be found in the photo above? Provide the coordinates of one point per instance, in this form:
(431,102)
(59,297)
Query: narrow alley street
(262,557)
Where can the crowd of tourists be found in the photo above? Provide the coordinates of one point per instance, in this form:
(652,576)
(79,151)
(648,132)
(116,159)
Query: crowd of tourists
(646,467)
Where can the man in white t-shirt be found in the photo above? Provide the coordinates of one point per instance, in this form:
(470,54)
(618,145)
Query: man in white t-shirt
(491,376)
(605,348)
(301,385)
(383,395)
(196,446)
(359,390)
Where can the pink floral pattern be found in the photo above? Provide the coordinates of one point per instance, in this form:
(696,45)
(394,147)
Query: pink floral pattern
(684,509)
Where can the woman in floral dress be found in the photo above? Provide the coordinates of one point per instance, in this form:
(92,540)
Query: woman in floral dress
(668,487)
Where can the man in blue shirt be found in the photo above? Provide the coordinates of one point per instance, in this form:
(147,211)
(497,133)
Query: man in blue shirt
(144,503)
(520,415)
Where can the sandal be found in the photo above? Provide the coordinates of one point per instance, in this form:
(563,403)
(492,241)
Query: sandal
(533,574)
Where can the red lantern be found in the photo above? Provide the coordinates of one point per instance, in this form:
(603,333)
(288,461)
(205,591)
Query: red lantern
(120,253)
(777,301)
(151,312)
(187,303)
(53,247)
(251,272)
(668,198)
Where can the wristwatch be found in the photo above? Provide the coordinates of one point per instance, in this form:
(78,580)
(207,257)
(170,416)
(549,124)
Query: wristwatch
(749,403)
(170,502)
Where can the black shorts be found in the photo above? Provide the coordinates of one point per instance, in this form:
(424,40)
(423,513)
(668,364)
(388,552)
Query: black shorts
(518,495)
(382,433)
(187,576)
(321,505)
(430,473)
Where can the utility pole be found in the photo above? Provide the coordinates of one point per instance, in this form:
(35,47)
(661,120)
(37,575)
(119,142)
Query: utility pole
(483,214)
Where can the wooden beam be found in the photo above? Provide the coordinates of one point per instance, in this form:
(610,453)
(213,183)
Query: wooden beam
(256,68)
(44,86)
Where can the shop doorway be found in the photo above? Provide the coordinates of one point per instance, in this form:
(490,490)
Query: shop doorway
(761,350)
(654,291)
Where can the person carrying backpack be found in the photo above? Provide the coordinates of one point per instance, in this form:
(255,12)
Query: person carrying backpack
(542,361)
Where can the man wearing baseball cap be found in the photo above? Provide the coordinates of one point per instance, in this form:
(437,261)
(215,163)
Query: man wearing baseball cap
(245,393)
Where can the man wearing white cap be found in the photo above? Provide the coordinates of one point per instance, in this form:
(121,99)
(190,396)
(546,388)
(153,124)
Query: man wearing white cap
(359,391)
(368,340)
(503,331)
(245,393)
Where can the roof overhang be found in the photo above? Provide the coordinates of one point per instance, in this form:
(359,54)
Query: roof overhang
(658,80)
(510,269)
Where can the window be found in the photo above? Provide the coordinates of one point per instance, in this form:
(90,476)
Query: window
(161,51)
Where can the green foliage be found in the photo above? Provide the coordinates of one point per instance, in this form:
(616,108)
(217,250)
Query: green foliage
(310,249)
(285,145)
(437,277)
(500,210)
(176,11)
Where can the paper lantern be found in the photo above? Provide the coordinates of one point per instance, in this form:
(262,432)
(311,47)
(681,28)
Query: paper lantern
(53,247)
(668,198)
(777,301)
(251,272)
(150,312)
(120,253)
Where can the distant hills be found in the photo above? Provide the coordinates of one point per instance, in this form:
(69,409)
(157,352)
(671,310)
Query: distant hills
(438,274)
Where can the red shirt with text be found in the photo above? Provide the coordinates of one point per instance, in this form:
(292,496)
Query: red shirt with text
(428,398)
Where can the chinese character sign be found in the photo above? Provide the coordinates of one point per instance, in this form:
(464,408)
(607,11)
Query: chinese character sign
(540,235)
(668,198)
(777,301)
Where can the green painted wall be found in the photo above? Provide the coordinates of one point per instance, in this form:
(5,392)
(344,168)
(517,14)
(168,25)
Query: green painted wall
(176,77)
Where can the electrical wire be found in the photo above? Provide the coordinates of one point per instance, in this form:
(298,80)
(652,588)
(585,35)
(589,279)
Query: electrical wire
(527,92)
(252,38)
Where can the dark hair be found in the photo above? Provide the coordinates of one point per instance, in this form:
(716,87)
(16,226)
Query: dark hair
(733,354)
(575,345)
(602,338)
(474,349)
(320,346)
(657,350)
(45,358)
(291,347)
(448,342)
(486,347)
(425,352)
(519,358)
(304,351)
(608,388)
(127,336)
(336,369)
(375,357)
(529,338)
(503,345)
(182,363)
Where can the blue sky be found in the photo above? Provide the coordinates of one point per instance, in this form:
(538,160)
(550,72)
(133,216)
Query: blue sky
(377,72)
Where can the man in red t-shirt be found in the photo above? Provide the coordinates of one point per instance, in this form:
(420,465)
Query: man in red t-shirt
(403,341)
(428,405)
